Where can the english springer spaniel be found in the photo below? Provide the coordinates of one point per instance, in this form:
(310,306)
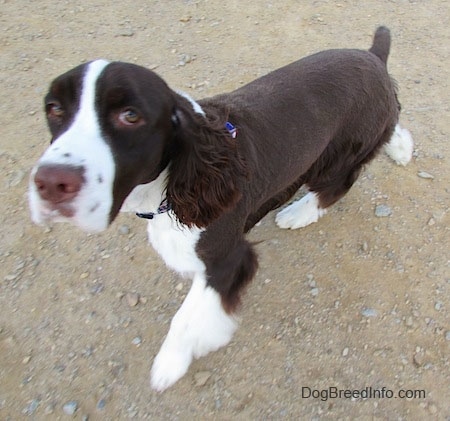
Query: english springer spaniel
(204,173)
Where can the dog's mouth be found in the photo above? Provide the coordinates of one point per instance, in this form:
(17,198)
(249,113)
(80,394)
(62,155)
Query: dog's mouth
(87,213)
(55,211)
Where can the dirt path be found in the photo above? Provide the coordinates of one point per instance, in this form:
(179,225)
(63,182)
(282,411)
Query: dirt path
(354,302)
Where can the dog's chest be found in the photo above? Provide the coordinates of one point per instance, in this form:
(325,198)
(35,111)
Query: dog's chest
(175,243)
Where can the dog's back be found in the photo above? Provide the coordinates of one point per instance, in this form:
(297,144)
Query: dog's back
(330,108)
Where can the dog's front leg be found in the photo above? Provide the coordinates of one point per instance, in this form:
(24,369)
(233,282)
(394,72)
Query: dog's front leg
(200,326)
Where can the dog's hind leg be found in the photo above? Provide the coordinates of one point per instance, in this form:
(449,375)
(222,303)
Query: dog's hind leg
(324,191)
(331,178)
(400,146)
(301,213)
(273,203)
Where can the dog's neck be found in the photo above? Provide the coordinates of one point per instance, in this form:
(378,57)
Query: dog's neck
(147,197)
(149,200)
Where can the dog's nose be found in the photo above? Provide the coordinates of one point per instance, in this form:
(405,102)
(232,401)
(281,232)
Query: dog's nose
(58,183)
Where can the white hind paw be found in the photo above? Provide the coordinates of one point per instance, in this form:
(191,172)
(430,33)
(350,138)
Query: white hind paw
(400,146)
(300,213)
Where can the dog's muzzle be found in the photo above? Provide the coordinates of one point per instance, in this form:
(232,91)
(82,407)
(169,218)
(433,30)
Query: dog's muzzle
(58,185)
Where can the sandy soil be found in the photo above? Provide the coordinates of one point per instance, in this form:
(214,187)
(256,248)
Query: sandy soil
(353,302)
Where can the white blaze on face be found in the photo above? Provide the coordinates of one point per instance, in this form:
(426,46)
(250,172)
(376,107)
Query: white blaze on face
(81,145)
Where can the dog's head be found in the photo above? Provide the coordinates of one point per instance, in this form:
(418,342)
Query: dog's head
(115,126)
(111,128)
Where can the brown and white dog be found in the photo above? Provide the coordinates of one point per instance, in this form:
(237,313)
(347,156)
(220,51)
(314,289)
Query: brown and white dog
(204,173)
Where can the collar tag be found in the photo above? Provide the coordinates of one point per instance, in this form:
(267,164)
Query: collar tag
(231,129)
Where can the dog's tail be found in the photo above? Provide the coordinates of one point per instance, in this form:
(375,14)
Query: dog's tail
(381,43)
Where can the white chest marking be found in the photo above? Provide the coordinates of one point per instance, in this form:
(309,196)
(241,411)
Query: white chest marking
(176,244)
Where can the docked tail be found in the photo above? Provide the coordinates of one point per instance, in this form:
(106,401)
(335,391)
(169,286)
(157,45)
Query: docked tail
(381,43)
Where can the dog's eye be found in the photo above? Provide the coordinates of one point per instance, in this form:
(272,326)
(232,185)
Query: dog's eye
(129,117)
(54,110)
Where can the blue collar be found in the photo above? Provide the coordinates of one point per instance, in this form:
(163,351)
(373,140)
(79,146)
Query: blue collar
(162,208)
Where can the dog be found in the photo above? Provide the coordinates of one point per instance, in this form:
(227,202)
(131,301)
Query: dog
(205,172)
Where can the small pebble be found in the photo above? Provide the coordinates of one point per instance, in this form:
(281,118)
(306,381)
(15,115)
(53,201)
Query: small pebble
(447,335)
(132,299)
(88,351)
(136,341)
(432,409)
(97,288)
(345,352)
(409,321)
(16,178)
(31,408)
(124,229)
(369,312)
(127,32)
(382,211)
(101,404)
(49,409)
(314,292)
(201,378)
(426,175)
(185,59)
(312,283)
(418,359)
(70,407)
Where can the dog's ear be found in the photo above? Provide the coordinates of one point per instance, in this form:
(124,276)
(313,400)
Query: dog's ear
(205,167)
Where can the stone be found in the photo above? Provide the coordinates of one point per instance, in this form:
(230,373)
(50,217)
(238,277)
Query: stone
(124,229)
(382,211)
(314,292)
(137,341)
(201,378)
(369,312)
(132,299)
(425,175)
(70,407)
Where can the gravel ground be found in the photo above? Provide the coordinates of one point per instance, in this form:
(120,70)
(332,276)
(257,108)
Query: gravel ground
(359,300)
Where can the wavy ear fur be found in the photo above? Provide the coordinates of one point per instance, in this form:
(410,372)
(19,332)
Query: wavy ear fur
(205,167)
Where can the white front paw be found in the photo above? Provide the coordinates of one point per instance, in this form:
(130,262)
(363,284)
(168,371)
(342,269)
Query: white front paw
(168,367)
